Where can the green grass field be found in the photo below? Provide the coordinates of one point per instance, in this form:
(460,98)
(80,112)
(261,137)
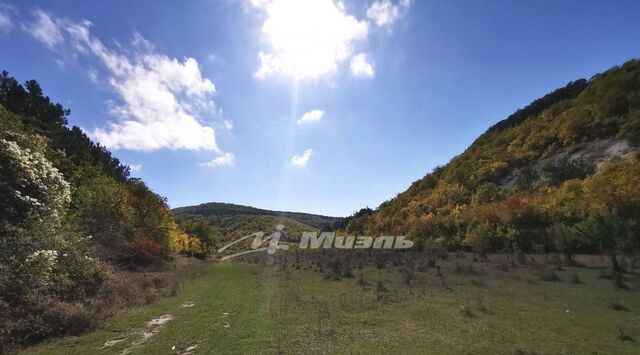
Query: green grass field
(242,309)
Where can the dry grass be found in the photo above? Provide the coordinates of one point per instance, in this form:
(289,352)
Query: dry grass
(45,318)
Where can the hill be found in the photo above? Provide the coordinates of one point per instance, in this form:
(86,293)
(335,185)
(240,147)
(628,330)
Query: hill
(236,220)
(557,174)
(230,209)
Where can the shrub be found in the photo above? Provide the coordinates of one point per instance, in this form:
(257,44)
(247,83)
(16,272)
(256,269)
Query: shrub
(466,311)
(616,306)
(549,275)
(147,250)
(576,280)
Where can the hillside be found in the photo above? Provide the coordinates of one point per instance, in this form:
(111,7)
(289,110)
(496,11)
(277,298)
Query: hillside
(236,220)
(72,221)
(547,176)
(230,209)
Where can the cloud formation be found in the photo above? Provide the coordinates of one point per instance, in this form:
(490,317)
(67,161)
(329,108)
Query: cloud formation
(314,115)
(135,167)
(228,124)
(360,66)
(44,29)
(385,13)
(6,11)
(160,100)
(227,159)
(301,160)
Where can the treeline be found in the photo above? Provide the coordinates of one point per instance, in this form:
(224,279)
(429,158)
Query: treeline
(70,215)
(213,209)
(525,186)
(235,226)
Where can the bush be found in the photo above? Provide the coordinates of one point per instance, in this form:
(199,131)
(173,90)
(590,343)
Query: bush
(576,280)
(549,275)
(616,306)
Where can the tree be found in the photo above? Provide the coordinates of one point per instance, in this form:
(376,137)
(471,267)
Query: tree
(616,188)
(207,236)
(565,239)
(40,257)
(610,233)
(50,119)
(103,206)
(487,193)
(526,221)
(480,238)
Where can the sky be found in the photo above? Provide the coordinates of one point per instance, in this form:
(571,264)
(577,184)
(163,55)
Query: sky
(316,106)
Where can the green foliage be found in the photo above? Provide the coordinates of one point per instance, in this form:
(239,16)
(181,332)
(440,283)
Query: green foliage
(566,239)
(487,193)
(229,209)
(572,90)
(102,205)
(563,169)
(232,227)
(356,223)
(208,237)
(49,119)
(230,222)
(481,237)
(41,258)
(611,233)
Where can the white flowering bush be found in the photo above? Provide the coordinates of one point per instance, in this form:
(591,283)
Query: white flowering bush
(43,262)
(33,199)
(31,189)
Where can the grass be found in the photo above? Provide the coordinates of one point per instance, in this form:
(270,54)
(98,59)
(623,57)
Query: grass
(243,308)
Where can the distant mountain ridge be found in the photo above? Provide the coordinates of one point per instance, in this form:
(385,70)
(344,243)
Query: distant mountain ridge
(229,209)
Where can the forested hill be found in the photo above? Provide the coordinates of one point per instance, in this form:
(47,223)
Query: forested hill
(229,209)
(559,174)
(234,221)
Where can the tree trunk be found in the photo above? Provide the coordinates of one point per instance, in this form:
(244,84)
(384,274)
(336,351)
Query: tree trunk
(568,257)
(614,262)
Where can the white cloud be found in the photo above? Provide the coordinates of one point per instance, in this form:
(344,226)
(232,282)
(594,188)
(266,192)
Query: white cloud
(216,59)
(141,43)
(360,66)
(160,99)
(44,29)
(92,74)
(6,11)
(226,159)
(228,124)
(307,39)
(311,116)
(301,161)
(385,13)
(135,167)
(60,63)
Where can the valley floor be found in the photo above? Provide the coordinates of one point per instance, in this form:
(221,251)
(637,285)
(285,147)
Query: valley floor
(236,308)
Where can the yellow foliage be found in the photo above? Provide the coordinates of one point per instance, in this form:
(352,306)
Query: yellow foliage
(178,239)
(616,187)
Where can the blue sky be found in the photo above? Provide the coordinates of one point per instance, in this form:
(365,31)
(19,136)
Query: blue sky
(207,98)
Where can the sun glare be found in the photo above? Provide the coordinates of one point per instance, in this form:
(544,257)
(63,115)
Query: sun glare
(307,38)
